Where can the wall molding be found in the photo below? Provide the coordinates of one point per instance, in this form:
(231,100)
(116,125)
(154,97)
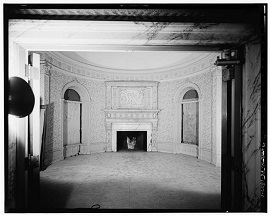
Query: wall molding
(171,73)
(85,101)
(177,107)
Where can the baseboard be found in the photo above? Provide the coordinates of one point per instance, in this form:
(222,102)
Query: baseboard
(165,147)
(71,150)
(93,148)
(187,149)
(205,154)
(52,156)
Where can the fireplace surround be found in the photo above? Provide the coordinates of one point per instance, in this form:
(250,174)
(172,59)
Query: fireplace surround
(131,106)
(118,127)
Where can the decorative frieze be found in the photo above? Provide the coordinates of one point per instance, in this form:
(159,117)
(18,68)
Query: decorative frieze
(93,72)
(131,114)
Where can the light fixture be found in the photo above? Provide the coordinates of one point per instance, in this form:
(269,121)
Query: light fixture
(21,99)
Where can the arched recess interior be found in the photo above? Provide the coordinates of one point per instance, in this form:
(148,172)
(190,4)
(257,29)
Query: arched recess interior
(193,150)
(85,101)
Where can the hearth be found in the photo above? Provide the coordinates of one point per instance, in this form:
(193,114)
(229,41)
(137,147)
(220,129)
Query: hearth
(131,141)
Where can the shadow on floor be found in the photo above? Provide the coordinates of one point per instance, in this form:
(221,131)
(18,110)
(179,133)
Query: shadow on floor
(124,196)
(54,194)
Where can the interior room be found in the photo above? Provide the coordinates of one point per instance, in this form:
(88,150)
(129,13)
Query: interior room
(135,108)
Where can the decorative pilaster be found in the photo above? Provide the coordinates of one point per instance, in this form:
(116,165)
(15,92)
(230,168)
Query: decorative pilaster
(217,109)
(153,141)
(45,73)
(109,137)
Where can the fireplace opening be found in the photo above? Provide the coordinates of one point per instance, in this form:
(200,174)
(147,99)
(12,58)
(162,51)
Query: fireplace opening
(131,140)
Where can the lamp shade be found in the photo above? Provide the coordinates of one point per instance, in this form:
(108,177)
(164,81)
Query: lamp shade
(21,99)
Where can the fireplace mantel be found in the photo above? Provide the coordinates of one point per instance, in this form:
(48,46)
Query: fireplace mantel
(131,103)
(131,114)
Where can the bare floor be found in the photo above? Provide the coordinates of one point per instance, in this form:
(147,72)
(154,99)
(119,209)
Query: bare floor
(131,180)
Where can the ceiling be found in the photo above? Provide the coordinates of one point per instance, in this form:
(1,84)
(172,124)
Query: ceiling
(130,26)
(133,61)
(129,36)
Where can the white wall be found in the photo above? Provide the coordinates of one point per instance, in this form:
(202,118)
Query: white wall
(96,90)
(167,126)
(202,74)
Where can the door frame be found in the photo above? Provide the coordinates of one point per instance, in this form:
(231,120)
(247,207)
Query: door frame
(79,103)
(85,106)
(231,169)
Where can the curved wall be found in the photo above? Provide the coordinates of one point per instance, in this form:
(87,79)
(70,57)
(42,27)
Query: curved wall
(56,72)
(56,80)
(169,116)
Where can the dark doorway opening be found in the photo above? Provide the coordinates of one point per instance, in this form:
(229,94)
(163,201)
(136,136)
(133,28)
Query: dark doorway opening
(131,140)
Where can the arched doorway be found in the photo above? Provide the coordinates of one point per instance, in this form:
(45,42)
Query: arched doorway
(187,112)
(75,120)
(190,118)
(72,121)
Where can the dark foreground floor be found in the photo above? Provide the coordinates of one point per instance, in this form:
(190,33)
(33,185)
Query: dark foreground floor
(131,180)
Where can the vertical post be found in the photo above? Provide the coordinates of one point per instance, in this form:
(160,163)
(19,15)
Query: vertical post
(231,174)
(35,83)
(63,135)
(217,93)
(18,61)
(225,178)
(237,133)
(34,136)
(231,171)
(81,123)
(45,72)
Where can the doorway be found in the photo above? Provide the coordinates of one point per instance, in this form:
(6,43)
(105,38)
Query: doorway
(75,121)
(72,118)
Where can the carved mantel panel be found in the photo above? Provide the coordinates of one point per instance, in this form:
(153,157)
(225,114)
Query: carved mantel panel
(131,95)
(131,103)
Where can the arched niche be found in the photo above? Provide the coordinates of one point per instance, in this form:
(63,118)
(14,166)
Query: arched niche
(84,145)
(178,101)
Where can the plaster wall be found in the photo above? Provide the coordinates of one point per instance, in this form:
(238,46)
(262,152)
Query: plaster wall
(200,73)
(167,116)
(96,90)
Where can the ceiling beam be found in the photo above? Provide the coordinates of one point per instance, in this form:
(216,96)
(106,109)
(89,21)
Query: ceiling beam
(123,48)
(201,13)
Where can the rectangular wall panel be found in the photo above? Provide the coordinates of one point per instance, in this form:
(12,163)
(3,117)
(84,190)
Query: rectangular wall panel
(190,123)
(72,123)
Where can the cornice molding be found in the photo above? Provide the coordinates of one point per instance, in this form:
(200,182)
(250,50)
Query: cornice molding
(176,72)
(88,63)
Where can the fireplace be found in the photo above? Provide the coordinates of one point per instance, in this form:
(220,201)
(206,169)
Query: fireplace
(131,110)
(131,141)
(130,130)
